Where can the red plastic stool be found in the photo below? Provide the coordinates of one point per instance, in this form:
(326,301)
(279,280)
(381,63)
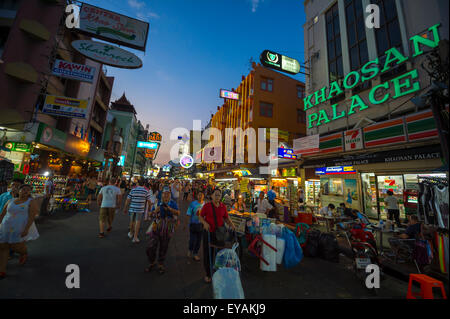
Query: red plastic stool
(426,287)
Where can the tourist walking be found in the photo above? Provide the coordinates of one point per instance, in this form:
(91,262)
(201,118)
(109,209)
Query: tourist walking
(161,231)
(17,226)
(109,199)
(195,226)
(135,206)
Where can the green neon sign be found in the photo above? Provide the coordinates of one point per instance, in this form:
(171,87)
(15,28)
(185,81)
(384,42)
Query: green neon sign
(279,62)
(403,85)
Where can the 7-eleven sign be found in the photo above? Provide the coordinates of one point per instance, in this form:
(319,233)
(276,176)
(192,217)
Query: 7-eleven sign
(353,140)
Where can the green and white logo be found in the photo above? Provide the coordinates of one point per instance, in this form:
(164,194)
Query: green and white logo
(272,57)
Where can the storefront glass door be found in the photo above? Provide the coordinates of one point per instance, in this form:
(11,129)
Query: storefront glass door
(369,189)
(396,185)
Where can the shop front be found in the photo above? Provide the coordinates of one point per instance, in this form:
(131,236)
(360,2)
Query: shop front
(362,181)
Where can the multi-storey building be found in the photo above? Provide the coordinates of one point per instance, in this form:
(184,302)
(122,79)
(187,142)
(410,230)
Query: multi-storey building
(361,98)
(267,99)
(32,36)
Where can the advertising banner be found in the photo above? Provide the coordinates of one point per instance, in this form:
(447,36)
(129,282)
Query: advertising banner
(73,71)
(229,95)
(306,145)
(113,27)
(107,54)
(286,153)
(335,170)
(65,106)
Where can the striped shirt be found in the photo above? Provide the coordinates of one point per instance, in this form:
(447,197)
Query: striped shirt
(138,195)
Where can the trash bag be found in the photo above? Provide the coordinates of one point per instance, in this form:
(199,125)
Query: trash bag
(227,284)
(312,243)
(269,254)
(281,244)
(301,230)
(227,258)
(293,253)
(328,247)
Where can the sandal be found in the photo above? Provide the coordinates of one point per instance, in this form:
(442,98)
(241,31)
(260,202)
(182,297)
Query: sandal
(196,258)
(161,269)
(149,268)
(207,280)
(109,229)
(101,235)
(23,259)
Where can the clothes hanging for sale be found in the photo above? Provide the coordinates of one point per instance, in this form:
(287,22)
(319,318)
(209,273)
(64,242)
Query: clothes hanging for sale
(441,205)
(421,204)
(429,209)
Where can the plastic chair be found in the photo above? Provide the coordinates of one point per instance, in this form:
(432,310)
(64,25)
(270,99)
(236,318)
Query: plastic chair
(426,287)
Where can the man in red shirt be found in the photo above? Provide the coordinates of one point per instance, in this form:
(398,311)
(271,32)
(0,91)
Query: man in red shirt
(206,217)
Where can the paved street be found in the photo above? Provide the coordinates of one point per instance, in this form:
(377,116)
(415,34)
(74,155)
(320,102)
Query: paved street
(113,267)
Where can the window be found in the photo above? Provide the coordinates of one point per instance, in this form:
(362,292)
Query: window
(301,117)
(265,109)
(300,92)
(267,84)
(388,35)
(357,44)
(335,67)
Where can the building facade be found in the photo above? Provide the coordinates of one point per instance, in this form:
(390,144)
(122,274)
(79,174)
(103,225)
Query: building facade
(267,99)
(361,99)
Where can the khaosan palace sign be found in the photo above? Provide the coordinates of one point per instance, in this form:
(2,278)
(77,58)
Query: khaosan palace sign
(403,84)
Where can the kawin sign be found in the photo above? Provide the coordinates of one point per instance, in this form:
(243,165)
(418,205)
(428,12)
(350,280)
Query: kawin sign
(403,85)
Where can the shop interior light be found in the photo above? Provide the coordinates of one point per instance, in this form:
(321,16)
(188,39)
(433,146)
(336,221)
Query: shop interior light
(46,173)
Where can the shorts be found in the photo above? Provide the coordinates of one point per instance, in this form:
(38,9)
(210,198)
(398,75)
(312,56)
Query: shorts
(136,217)
(91,191)
(107,213)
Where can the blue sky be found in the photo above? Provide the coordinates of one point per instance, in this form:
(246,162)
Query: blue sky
(195,48)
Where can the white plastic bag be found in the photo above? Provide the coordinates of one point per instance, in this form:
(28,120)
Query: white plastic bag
(269,254)
(33,233)
(227,258)
(281,244)
(227,284)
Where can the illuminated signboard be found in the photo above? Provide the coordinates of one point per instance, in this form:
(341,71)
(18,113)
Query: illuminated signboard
(17,147)
(186,161)
(229,95)
(121,161)
(279,62)
(404,84)
(154,137)
(335,170)
(150,145)
(150,153)
(286,153)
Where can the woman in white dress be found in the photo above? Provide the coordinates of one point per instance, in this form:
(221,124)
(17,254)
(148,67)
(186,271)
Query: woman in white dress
(17,226)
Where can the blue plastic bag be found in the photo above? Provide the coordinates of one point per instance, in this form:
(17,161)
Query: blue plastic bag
(293,253)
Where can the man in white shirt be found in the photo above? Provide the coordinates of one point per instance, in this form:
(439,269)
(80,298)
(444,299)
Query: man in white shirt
(391,204)
(109,198)
(175,190)
(327,211)
(263,205)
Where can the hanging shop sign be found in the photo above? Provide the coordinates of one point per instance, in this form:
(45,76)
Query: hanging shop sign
(212,154)
(121,160)
(65,106)
(402,85)
(150,145)
(242,172)
(335,170)
(286,153)
(410,154)
(154,137)
(50,136)
(107,54)
(307,145)
(17,147)
(150,153)
(229,95)
(353,140)
(73,71)
(279,62)
(113,27)
(186,161)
